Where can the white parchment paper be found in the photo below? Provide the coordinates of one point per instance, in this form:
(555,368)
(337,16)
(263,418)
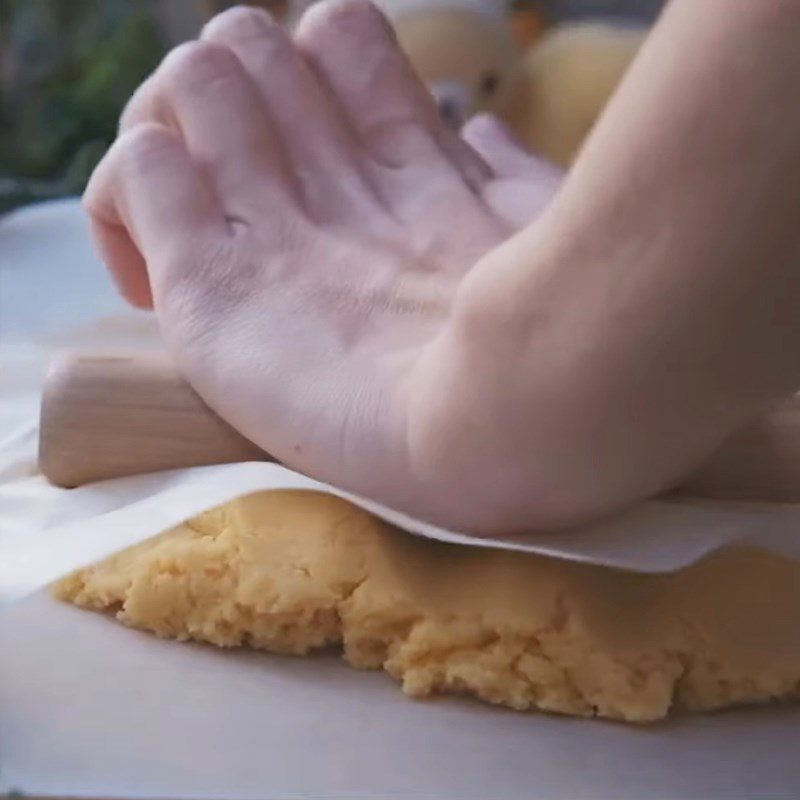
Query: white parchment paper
(88,708)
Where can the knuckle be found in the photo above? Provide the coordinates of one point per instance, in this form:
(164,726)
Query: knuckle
(345,17)
(195,65)
(240,23)
(139,106)
(144,146)
(254,37)
(147,139)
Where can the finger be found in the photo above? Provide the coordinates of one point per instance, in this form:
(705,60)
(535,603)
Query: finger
(505,155)
(202,90)
(524,184)
(352,46)
(148,184)
(124,262)
(117,249)
(323,151)
(143,106)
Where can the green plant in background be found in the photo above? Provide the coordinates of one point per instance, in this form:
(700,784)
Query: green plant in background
(67,68)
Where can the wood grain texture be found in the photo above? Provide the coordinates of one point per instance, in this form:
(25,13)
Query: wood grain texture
(116,415)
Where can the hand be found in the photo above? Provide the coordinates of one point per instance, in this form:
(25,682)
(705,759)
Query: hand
(302,220)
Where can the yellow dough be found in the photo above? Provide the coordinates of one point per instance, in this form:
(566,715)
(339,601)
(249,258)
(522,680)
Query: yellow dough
(293,571)
(565,83)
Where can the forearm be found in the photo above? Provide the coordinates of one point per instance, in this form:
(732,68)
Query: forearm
(604,352)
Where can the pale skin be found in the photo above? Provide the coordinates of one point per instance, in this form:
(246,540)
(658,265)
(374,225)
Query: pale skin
(440,322)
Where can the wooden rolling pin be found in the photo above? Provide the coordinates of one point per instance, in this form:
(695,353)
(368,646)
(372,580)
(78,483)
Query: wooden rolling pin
(107,416)
(111,416)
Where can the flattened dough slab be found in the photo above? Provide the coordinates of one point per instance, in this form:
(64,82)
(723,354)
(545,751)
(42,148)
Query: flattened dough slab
(292,571)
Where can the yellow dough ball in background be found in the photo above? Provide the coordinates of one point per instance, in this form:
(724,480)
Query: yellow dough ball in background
(564,83)
(550,93)
(468,60)
(549,85)
(465,51)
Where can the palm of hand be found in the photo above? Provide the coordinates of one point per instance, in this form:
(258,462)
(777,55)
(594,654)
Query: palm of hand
(305,221)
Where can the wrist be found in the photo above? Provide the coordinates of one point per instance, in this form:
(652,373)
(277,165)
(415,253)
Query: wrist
(482,429)
(455,445)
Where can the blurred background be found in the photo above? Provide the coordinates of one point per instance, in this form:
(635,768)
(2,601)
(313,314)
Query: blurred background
(68,66)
